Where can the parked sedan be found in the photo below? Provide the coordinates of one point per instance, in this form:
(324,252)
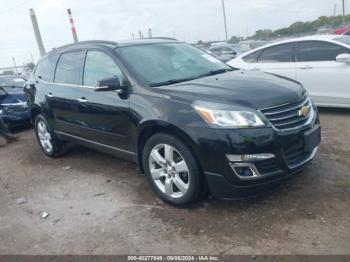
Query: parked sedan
(342,30)
(225,52)
(13,103)
(320,63)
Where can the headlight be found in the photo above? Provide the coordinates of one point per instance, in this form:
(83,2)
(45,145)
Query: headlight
(0,111)
(230,119)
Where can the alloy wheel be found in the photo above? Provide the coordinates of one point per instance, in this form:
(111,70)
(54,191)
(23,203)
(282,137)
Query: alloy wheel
(169,170)
(44,136)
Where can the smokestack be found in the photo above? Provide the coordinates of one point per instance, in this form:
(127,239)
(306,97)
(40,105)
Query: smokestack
(71,21)
(37,34)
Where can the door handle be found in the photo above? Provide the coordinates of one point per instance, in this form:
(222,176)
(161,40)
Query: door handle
(50,95)
(256,69)
(306,67)
(82,100)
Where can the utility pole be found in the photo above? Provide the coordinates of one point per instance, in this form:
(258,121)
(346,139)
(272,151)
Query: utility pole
(37,34)
(133,36)
(31,56)
(150,32)
(224,13)
(343,12)
(71,21)
(14,62)
(335,10)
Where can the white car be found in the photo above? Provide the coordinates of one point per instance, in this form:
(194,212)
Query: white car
(320,63)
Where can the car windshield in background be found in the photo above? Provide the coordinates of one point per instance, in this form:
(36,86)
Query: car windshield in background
(344,39)
(162,64)
(240,48)
(11,81)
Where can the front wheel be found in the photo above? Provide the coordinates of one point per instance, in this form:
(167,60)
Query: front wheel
(172,170)
(48,141)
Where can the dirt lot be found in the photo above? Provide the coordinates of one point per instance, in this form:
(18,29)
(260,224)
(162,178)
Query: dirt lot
(98,204)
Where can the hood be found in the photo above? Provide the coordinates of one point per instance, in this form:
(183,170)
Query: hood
(13,98)
(240,88)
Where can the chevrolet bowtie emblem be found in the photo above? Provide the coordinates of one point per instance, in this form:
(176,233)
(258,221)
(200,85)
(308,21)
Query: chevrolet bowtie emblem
(304,111)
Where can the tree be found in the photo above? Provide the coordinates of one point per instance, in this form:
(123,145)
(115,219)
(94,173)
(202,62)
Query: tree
(299,27)
(263,34)
(234,40)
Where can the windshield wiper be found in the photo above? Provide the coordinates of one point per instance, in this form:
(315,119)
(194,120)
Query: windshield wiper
(171,82)
(175,81)
(216,72)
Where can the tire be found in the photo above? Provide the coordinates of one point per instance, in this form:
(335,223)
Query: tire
(48,141)
(175,182)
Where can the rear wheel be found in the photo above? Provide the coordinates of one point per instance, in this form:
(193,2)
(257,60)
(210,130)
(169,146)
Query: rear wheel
(172,170)
(48,141)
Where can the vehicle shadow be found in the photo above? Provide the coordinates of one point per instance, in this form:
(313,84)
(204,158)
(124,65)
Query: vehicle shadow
(333,110)
(308,196)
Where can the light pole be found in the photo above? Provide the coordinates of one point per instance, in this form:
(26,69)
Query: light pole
(224,13)
(335,10)
(344,12)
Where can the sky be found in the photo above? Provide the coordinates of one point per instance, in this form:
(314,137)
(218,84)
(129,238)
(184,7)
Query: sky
(187,20)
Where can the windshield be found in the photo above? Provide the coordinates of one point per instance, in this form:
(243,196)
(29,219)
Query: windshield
(344,40)
(244,48)
(169,63)
(11,81)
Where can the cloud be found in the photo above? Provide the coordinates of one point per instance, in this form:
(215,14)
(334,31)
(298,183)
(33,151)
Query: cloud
(190,20)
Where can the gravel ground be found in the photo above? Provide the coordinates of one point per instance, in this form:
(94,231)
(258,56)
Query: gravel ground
(98,204)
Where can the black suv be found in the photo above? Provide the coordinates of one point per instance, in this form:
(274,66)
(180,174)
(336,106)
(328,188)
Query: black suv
(192,123)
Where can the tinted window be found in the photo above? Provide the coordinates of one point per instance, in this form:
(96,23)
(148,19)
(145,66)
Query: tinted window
(46,68)
(98,66)
(347,33)
(68,69)
(227,51)
(277,54)
(252,58)
(318,51)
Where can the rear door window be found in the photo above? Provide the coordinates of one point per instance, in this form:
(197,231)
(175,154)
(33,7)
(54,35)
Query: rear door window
(46,68)
(277,54)
(317,51)
(69,68)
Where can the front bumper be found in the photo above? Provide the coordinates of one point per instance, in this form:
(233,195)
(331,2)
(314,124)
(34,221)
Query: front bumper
(291,156)
(16,119)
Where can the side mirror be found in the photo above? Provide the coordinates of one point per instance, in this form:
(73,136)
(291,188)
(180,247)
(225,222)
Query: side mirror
(343,58)
(109,84)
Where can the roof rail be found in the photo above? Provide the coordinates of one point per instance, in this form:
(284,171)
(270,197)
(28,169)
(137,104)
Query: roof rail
(87,42)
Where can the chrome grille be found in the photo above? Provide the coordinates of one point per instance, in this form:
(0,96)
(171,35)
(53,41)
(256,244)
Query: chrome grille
(287,116)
